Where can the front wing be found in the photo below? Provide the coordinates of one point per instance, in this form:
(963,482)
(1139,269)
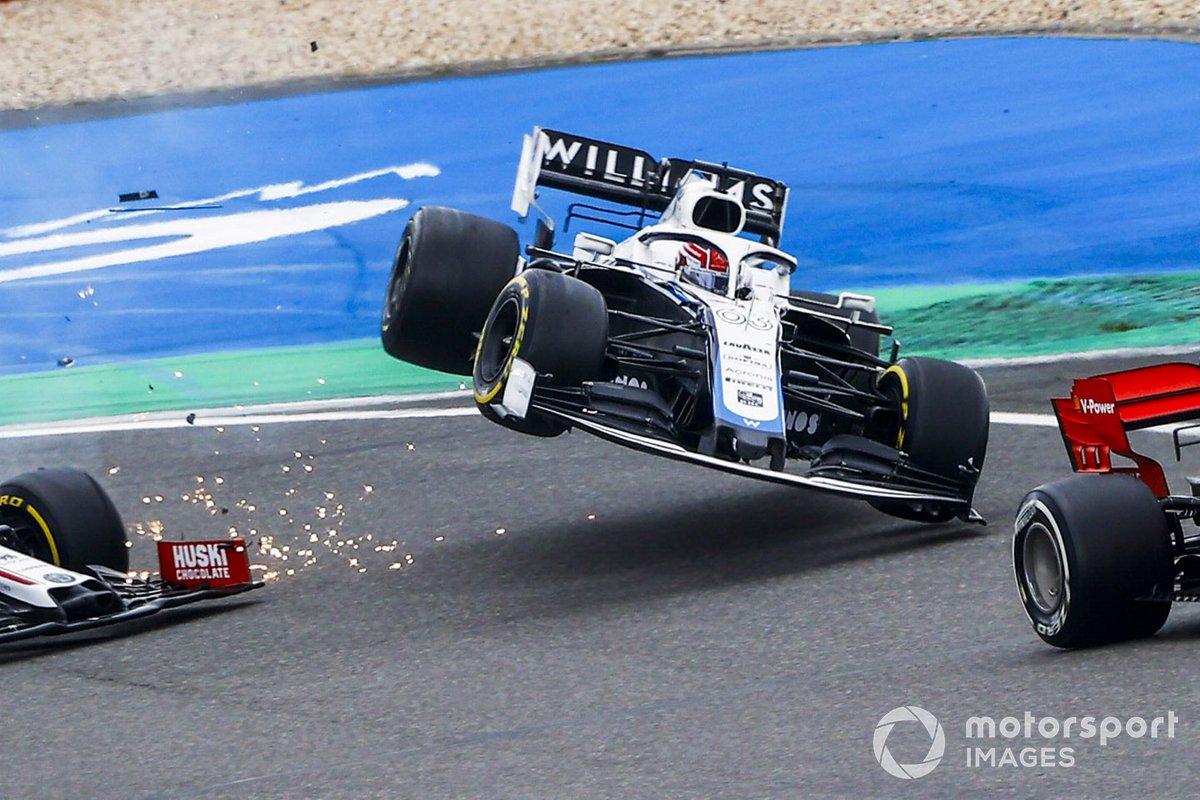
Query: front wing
(142,598)
(865,490)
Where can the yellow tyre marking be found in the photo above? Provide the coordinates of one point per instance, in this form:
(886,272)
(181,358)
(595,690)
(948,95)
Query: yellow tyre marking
(45,532)
(898,371)
(516,347)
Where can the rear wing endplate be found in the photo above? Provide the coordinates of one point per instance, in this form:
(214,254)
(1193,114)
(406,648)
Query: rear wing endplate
(633,177)
(1101,410)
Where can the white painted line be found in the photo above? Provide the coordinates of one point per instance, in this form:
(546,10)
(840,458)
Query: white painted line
(1019,418)
(1089,355)
(336,403)
(178,419)
(349,409)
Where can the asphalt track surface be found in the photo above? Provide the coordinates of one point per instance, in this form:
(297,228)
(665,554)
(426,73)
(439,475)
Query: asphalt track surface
(703,636)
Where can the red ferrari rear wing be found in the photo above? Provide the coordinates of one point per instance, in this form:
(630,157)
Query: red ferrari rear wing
(1101,410)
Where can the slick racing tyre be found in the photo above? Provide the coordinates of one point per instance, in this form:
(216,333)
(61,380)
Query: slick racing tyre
(63,517)
(448,269)
(942,425)
(558,324)
(1084,549)
(867,341)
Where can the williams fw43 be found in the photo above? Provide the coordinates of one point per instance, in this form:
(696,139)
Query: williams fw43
(1101,555)
(683,339)
(64,561)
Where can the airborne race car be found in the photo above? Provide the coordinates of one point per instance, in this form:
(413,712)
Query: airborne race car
(64,561)
(1100,556)
(683,340)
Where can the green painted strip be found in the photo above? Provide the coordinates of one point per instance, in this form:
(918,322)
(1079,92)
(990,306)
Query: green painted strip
(962,321)
(357,368)
(1045,317)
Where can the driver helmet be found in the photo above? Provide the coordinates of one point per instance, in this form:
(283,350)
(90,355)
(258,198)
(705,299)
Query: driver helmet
(703,265)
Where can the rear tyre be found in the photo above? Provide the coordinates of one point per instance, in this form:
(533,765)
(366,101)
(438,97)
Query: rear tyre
(558,324)
(448,269)
(63,517)
(1085,548)
(942,425)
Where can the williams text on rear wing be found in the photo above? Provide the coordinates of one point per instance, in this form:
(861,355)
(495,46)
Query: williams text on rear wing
(633,177)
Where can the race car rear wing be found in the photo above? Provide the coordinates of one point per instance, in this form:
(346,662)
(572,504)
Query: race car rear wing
(633,177)
(1102,409)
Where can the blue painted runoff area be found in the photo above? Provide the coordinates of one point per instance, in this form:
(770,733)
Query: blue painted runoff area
(927,163)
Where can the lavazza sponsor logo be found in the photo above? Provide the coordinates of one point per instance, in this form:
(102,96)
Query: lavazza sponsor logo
(200,562)
(1017,741)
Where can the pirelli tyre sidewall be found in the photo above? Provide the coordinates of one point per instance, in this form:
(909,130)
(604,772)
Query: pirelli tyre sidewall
(446,273)
(942,424)
(64,517)
(1085,548)
(557,323)
(943,414)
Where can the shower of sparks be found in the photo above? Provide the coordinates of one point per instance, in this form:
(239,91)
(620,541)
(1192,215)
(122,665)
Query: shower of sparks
(304,527)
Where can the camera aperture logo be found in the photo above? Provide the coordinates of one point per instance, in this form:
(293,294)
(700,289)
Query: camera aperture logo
(937,745)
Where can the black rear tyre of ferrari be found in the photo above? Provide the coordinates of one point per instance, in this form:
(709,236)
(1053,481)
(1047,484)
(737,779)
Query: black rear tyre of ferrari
(1085,548)
(447,271)
(62,516)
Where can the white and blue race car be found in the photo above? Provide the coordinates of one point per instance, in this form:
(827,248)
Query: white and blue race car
(684,339)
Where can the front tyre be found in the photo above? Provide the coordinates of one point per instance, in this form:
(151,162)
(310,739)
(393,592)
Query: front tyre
(558,324)
(448,269)
(1085,549)
(63,517)
(941,422)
